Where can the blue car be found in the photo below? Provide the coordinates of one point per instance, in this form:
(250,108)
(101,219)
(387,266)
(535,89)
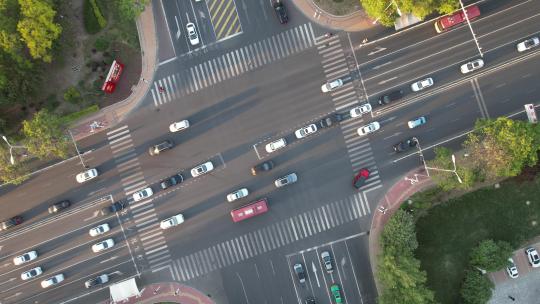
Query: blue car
(416,122)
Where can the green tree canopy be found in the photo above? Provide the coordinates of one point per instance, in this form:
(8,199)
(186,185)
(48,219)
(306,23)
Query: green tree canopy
(399,233)
(44,136)
(128,10)
(476,288)
(491,255)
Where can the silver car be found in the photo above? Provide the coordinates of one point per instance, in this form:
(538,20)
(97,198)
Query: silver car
(327,261)
(288,179)
(422,84)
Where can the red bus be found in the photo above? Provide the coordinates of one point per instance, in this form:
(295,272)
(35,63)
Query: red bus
(250,210)
(446,22)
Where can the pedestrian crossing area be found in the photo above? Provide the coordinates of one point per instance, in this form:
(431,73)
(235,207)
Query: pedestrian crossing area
(232,64)
(336,65)
(143,212)
(260,241)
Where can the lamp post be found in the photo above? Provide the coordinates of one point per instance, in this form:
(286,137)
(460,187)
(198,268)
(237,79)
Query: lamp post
(11,158)
(77,149)
(471,29)
(437,169)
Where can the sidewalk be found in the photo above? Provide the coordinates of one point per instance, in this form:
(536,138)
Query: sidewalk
(400,191)
(355,22)
(168,292)
(113,114)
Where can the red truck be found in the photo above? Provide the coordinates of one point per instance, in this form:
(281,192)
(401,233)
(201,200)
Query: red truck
(444,23)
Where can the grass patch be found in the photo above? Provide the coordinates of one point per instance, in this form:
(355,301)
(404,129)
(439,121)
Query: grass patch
(67,119)
(448,232)
(339,7)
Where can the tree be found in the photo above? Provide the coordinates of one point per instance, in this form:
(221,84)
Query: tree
(128,10)
(476,288)
(447,180)
(44,136)
(387,11)
(491,255)
(12,174)
(37,28)
(399,233)
(502,147)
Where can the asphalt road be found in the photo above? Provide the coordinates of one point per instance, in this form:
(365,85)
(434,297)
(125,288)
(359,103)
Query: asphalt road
(241,89)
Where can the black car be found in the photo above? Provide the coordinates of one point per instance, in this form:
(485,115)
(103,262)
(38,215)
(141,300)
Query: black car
(300,273)
(59,206)
(165,145)
(405,145)
(331,120)
(310,300)
(171,181)
(281,12)
(266,166)
(388,98)
(14,221)
(114,207)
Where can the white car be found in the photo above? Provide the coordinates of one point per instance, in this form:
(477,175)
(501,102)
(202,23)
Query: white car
(333,85)
(202,169)
(192,34)
(416,122)
(52,280)
(532,255)
(142,194)
(369,128)
(360,110)
(472,66)
(172,221)
(27,257)
(86,175)
(511,269)
(108,243)
(238,194)
(288,179)
(276,145)
(98,230)
(179,126)
(34,272)
(528,44)
(422,84)
(305,131)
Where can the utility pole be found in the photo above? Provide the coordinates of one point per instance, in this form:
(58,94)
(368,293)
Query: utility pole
(470,27)
(437,169)
(77,149)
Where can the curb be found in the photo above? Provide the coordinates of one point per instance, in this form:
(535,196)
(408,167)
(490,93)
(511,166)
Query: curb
(167,292)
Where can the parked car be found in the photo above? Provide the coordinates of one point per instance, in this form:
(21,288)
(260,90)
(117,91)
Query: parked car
(98,230)
(265,166)
(511,269)
(276,145)
(59,206)
(12,222)
(332,85)
(102,279)
(171,181)
(532,256)
(87,175)
(238,194)
(360,178)
(32,273)
(103,245)
(389,97)
(25,257)
(202,169)
(336,293)
(422,84)
(360,110)
(288,179)
(405,145)
(52,280)
(300,273)
(172,221)
(369,128)
(280,10)
(192,34)
(472,66)
(142,194)
(157,149)
(179,126)
(305,131)
(327,261)
(416,122)
(528,44)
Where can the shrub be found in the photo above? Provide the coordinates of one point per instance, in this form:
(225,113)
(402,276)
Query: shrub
(102,44)
(476,288)
(99,16)
(72,95)
(51,103)
(91,24)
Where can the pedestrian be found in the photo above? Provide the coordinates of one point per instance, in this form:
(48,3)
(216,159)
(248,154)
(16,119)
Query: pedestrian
(161,90)
(365,40)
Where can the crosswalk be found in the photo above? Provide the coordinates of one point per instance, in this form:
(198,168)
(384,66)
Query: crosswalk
(260,241)
(143,212)
(232,64)
(336,65)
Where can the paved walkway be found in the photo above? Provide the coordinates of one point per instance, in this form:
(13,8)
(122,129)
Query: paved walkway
(414,181)
(170,292)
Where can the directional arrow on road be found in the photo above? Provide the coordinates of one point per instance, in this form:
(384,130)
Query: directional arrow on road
(315,273)
(343,262)
(377,50)
(96,213)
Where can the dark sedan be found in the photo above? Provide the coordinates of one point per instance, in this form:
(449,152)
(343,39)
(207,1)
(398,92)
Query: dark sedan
(281,12)
(405,145)
(59,206)
(171,181)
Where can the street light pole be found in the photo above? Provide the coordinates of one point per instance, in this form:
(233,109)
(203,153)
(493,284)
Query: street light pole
(437,169)
(11,158)
(470,27)
(77,149)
